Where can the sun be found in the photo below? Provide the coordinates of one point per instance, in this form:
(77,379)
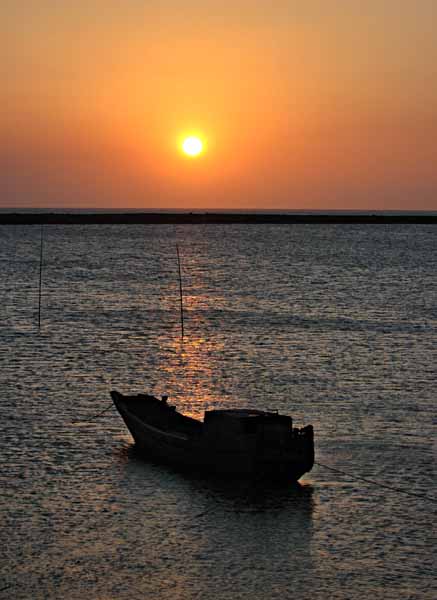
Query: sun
(192,146)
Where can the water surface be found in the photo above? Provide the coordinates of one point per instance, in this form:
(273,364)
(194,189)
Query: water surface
(334,325)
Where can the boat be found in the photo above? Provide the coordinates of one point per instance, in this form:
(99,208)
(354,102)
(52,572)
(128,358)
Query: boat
(229,442)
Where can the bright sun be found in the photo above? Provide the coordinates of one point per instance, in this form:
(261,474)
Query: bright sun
(192,146)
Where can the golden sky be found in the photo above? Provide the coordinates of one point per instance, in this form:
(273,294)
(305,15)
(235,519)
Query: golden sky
(315,104)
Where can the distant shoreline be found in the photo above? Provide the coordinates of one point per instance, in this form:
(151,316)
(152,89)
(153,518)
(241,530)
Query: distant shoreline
(194,218)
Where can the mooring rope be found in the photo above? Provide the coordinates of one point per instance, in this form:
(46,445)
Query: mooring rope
(95,416)
(378,483)
(103,411)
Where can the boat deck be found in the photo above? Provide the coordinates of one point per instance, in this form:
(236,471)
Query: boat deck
(161,415)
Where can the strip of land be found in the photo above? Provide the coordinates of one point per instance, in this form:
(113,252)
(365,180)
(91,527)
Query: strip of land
(157,218)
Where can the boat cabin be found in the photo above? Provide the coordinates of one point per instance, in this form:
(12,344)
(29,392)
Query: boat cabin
(232,428)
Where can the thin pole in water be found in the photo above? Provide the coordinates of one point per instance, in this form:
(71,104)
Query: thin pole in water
(40,277)
(180,292)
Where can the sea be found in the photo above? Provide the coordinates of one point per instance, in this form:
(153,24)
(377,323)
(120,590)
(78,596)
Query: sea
(335,325)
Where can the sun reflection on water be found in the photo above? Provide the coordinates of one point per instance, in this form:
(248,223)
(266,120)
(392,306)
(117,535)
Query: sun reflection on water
(190,376)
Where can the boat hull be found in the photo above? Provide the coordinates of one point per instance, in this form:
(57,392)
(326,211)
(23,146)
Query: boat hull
(197,453)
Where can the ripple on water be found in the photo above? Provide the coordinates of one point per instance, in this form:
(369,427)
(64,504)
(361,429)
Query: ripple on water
(324,323)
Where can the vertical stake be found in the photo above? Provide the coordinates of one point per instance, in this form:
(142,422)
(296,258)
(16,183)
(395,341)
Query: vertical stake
(40,277)
(180,292)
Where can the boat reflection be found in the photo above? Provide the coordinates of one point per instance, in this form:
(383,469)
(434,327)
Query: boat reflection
(238,495)
(221,531)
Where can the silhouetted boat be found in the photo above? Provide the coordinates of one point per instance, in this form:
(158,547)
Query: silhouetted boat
(240,442)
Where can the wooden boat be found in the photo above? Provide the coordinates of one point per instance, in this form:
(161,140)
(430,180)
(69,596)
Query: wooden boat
(238,442)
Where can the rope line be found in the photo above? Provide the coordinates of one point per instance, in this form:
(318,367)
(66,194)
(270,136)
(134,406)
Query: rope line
(96,416)
(378,483)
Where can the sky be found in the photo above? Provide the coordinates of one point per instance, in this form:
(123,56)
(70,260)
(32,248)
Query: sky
(301,105)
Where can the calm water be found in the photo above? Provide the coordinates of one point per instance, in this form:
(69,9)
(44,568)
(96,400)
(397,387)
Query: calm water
(335,325)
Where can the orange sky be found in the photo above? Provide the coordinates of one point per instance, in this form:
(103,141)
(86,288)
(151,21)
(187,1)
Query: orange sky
(303,105)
